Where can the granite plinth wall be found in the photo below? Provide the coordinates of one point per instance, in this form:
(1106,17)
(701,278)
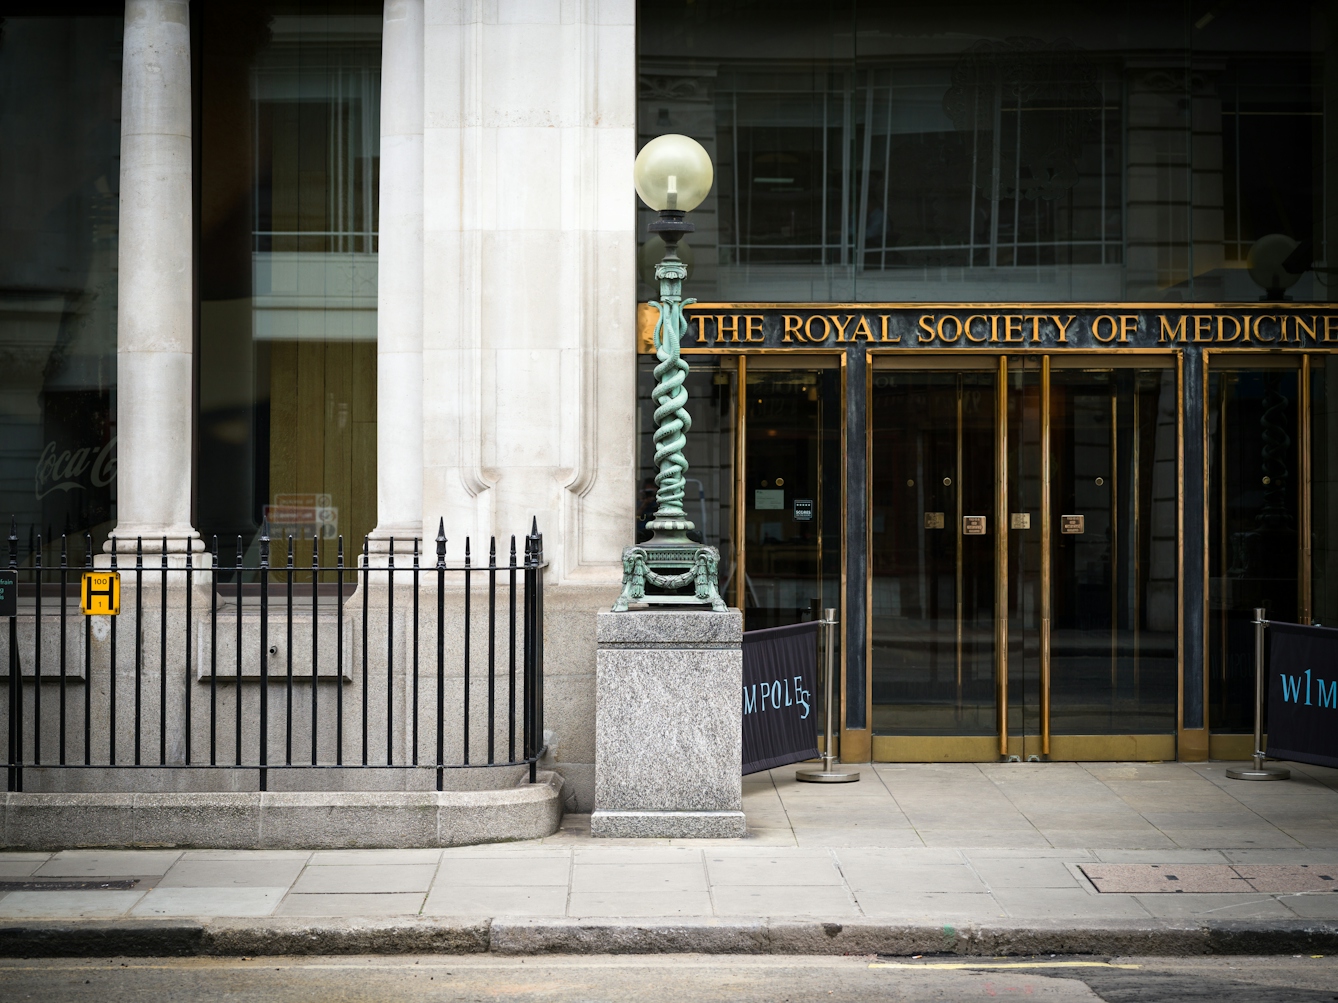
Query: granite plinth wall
(668,724)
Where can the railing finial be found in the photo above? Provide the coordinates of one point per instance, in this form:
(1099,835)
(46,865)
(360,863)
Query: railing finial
(536,546)
(441,542)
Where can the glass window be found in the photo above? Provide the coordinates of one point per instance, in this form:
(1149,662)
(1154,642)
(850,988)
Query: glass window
(1003,152)
(1253,504)
(791,494)
(60,116)
(289,112)
(1324,485)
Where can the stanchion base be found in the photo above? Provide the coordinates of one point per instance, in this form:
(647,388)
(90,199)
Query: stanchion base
(1267,773)
(825,777)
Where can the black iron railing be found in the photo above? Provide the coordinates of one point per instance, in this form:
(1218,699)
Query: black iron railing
(445,660)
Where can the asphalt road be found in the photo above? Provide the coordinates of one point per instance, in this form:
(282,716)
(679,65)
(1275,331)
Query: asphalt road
(670,979)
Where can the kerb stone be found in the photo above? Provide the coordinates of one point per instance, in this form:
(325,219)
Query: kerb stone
(669,725)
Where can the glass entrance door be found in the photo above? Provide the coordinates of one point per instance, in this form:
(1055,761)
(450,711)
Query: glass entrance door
(1254,523)
(1111,651)
(932,558)
(791,487)
(1024,561)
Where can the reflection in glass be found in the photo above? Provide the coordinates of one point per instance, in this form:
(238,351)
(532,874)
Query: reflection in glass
(999,152)
(1324,488)
(1252,526)
(1113,635)
(933,658)
(60,111)
(290,140)
(792,492)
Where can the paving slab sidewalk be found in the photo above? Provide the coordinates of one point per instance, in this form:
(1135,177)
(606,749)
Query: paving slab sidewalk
(959,857)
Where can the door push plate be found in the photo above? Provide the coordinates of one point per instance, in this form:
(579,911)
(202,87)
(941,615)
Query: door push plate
(973,525)
(1020,520)
(1073,525)
(933,520)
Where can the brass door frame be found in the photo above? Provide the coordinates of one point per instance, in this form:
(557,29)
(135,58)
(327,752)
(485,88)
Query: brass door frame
(1001,551)
(1305,568)
(1047,608)
(1094,747)
(741,499)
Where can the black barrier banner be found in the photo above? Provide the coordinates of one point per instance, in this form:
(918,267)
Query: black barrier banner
(780,713)
(1302,694)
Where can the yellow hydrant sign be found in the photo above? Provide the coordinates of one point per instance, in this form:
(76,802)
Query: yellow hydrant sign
(101,593)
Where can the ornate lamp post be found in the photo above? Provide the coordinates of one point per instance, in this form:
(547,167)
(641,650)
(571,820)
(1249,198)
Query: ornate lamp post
(673,174)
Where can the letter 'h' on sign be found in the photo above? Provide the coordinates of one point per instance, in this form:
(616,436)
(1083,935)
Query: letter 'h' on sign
(101,593)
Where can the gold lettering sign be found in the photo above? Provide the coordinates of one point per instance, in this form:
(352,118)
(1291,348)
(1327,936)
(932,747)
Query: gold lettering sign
(933,520)
(1073,525)
(886,327)
(973,525)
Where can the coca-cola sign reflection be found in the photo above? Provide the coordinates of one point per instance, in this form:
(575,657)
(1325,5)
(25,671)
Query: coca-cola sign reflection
(75,470)
(74,479)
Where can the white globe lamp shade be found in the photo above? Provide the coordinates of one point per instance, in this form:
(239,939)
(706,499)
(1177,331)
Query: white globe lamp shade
(673,172)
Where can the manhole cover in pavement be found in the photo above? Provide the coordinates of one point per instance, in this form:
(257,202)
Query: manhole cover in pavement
(1157,878)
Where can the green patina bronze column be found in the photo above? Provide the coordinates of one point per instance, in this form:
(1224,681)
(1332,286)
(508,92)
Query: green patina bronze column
(673,175)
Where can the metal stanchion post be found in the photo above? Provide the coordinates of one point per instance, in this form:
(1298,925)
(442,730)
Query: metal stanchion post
(1259,771)
(828,774)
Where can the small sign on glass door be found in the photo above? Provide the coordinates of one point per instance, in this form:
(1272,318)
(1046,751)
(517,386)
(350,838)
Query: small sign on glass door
(933,520)
(1073,525)
(803,510)
(973,525)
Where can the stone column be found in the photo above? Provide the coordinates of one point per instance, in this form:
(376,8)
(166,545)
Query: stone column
(399,348)
(669,725)
(155,332)
(529,238)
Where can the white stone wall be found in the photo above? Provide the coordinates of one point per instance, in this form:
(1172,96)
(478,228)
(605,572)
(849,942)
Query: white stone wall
(529,275)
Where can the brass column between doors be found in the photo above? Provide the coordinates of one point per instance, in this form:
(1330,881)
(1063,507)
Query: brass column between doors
(1001,551)
(959,591)
(1046,610)
(1114,508)
(740,482)
(1304,557)
(1135,531)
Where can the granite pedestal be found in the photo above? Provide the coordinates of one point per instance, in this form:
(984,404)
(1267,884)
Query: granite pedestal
(669,724)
